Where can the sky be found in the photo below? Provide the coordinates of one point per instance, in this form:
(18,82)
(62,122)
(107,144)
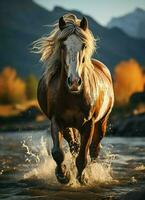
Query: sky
(101,10)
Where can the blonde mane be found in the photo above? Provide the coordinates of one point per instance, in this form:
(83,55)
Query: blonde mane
(49,46)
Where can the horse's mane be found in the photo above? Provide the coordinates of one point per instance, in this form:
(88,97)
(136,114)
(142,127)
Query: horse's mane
(49,46)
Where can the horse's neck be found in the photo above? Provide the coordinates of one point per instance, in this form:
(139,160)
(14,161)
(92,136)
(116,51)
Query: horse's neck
(90,83)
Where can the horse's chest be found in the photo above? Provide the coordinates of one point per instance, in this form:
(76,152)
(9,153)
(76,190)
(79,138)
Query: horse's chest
(72,118)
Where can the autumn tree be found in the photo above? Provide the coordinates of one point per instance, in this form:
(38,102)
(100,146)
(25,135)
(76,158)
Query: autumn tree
(31,87)
(12,88)
(128,78)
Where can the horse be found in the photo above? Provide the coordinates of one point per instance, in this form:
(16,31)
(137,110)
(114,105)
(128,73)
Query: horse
(75,92)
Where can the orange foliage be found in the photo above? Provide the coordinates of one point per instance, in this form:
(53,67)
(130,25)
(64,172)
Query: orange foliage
(128,78)
(12,88)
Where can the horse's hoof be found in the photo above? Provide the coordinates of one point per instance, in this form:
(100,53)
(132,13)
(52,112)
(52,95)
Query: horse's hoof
(82,179)
(62,178)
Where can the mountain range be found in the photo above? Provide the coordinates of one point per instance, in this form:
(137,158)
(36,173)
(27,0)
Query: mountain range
(22,22)
(133,23)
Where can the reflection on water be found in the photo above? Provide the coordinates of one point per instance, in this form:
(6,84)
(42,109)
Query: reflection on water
(27,169)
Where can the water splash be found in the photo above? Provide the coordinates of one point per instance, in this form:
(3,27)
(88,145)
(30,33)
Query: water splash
(42,166)
(140,167)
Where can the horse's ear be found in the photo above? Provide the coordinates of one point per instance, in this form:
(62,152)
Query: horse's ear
(61,23)
(84,23)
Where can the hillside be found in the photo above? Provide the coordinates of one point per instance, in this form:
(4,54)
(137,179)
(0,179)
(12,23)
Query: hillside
(133,23)
(22,22)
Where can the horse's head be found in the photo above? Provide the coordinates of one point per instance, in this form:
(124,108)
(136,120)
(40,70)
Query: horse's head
(73,56)
(70,42)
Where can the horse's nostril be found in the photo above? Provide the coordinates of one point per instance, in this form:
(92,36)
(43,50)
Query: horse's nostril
(69,82)
(79,81)
(76,82)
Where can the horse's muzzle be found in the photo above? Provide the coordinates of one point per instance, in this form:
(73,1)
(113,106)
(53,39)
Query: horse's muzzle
(75,84)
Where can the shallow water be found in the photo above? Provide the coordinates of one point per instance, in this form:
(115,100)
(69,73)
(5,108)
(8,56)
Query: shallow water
(27,169)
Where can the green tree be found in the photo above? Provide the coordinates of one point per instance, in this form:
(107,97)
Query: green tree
(31,87)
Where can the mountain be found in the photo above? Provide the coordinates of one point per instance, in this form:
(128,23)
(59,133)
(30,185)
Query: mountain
(22,22)
(133,23)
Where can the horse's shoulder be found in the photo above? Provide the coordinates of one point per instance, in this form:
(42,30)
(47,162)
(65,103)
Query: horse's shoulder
(97,63)
(42,94)
(102,67)
(45,100)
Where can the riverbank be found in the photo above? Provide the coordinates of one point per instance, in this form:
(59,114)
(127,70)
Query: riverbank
(132,125)
(28,117)
(25,117)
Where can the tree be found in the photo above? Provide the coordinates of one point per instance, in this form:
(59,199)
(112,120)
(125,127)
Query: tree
(128,78)
(31,87)
(12,88)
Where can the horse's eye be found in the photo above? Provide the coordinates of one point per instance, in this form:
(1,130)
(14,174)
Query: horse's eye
(83,60)
(84,46)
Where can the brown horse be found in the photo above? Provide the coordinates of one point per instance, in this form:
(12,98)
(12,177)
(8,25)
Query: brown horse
(75,92)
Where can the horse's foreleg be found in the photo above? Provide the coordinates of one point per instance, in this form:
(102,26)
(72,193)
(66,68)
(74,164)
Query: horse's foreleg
(71,136)
(86,138)
(57,153)
(99,133)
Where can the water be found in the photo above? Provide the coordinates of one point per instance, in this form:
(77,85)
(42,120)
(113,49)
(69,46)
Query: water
(27,169)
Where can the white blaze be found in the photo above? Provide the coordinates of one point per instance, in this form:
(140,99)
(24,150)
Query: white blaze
(73,46)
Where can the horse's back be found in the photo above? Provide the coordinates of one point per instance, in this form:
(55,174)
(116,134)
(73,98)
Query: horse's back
(104,76)
(102,67)
(106,100)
